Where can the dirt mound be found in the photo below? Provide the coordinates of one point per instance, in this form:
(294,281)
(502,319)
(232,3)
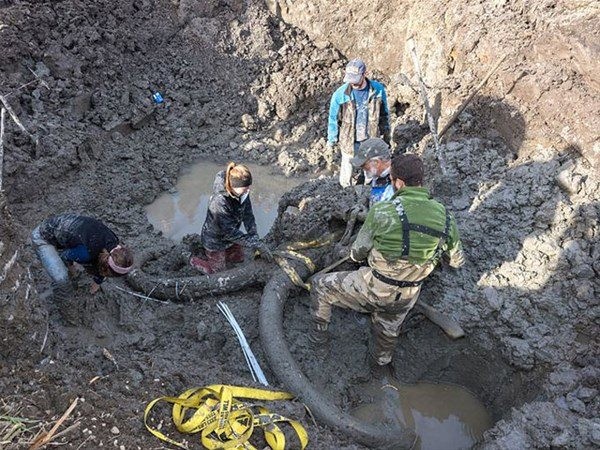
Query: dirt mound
(549,77)
(240,83)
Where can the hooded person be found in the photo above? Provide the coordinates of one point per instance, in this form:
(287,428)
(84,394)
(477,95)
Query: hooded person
(63,240)
(229,207)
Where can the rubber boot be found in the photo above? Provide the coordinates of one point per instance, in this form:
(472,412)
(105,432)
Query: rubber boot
(201,264)
(64,297)
(318,335)
(381,372)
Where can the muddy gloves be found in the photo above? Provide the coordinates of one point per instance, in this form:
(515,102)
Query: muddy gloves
(386,137)
(359,211)
(341,251)
(264,251)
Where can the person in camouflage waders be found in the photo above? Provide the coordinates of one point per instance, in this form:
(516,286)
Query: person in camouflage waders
(402,239)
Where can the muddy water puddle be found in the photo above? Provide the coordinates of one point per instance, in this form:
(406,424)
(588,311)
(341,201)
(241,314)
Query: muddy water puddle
(183,211)
(445,417)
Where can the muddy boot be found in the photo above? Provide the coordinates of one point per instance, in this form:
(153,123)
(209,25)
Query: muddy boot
(381,372)
(318,337)
(201,264)
(63,296)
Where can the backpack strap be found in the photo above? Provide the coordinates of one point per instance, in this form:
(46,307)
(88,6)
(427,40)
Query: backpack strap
(407,227)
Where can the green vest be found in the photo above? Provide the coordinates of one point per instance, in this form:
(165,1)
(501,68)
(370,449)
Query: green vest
(411,226)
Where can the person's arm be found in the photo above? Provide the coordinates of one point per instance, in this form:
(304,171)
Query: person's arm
(333,126)
(81,255)
(384,117)
(248,217)
(231,232)
(454,253)
(364,240)
(78,254)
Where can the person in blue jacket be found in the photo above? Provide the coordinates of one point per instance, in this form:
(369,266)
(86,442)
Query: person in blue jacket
(358,111)
(373,157)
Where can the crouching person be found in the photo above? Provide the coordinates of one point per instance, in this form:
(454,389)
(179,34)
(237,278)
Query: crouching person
(403,240)
(229,207)
(63,240)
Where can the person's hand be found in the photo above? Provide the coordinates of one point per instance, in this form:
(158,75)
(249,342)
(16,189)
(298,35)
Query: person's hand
(95,287)
(387,137)
(359,211)
(341,251)
(265,252)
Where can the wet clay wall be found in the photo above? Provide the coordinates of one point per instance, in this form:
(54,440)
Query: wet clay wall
(549,75)
(240,83)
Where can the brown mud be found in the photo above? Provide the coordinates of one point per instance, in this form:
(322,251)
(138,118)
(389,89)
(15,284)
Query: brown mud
(242,83)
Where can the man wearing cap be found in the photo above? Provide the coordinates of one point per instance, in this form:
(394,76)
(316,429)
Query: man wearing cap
(373,157)
(403,239)
(358,110)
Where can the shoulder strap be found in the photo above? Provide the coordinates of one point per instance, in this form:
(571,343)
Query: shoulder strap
(408,227)
(405,226)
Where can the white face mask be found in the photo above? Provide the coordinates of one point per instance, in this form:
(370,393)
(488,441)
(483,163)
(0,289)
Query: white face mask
(371,173)
(243,197)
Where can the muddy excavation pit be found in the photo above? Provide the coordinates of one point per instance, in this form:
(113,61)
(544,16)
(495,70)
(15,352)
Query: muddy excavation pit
(251,82)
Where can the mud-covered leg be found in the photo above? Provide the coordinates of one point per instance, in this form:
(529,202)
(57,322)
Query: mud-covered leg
(62,290)
(386,329)
(334,289)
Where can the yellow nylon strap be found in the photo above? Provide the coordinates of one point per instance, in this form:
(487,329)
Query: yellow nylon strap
(315,243)
(291,254)
(291,272)
(223,421)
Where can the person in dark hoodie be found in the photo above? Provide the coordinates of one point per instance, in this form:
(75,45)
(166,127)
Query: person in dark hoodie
(229,207)
(62,240)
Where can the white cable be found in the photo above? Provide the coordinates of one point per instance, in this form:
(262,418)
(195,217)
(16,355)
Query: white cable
(219,305)
(250,358)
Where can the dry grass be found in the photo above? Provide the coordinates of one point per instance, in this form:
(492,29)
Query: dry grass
(17,432)
(14,430)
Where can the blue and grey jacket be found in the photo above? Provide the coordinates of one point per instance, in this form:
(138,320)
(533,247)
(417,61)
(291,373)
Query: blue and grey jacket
(224,218)
(79,239)
(342,116)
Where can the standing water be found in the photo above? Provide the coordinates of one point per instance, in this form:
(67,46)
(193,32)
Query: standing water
(183,212)
(444,417)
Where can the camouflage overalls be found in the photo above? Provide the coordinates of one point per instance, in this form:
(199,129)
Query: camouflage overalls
(401,253)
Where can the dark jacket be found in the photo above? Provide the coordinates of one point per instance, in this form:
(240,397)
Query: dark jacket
(225,216)
(342,116)
(68,231)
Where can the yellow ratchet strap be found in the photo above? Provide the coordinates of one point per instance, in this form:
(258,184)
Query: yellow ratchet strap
(315,243)
(223,421)
(291,272)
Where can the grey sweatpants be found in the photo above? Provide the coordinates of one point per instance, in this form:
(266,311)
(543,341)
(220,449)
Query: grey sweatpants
(49,257)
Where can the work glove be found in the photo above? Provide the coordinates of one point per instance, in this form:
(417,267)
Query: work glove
(341,251)
(360,211)
(94,288)
(387,137)
(265,252)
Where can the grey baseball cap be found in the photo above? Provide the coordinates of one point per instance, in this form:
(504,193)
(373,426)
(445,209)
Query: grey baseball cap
(355,69)
(371,148)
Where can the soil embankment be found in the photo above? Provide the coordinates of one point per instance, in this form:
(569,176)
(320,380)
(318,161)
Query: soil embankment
(242,82)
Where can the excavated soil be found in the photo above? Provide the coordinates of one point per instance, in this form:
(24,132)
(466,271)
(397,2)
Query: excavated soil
(249,81)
